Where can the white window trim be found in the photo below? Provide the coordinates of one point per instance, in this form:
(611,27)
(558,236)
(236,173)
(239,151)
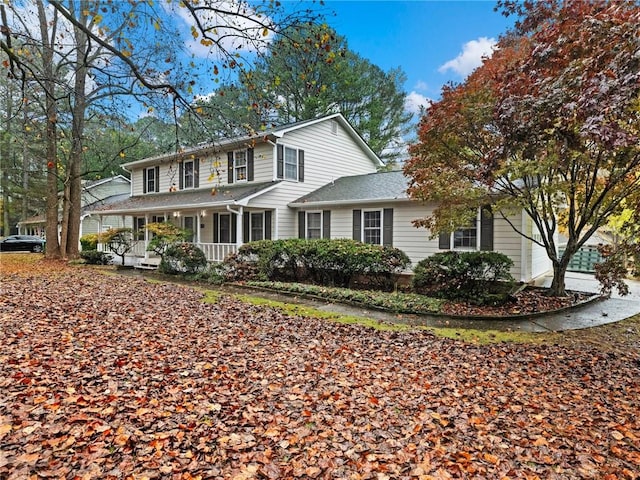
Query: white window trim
(381,224)
(155,180)
(468,249)
(306,222)
(235,166)
(184,174)
(284,163)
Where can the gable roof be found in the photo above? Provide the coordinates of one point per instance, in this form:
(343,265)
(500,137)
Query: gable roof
(184,199)
(369,188)
(87,184)
(272,135)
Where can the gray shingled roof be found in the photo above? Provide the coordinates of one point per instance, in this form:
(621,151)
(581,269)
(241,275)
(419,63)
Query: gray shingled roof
(201,198)
(373,187)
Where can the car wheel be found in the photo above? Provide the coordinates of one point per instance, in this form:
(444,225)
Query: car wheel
(37,249)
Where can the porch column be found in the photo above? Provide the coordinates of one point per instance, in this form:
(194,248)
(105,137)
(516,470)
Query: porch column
(239,224)
(146,236)
(199,218)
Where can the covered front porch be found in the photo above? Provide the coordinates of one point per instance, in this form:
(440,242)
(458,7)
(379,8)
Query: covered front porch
(218,222)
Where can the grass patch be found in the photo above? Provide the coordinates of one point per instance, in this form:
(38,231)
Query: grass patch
(396,302)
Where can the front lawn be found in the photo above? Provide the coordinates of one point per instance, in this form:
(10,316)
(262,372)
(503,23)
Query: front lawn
(115,377)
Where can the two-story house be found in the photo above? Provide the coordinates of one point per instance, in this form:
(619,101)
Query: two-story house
(312,179)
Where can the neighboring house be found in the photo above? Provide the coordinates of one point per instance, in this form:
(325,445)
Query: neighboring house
(95,194)
(312,179)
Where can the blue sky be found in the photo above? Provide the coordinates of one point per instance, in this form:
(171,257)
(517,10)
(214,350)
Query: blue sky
(433,42)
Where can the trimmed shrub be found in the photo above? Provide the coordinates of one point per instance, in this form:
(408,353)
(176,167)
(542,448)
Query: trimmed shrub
(89,241)
(94,257)
(182,258)
(322,261)
(481,278)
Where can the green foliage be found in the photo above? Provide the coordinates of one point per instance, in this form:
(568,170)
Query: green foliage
(182,258)
(322,261)
(94,257)
(481,278)
(118,241)
(89,241)
(164,235)
(395,302)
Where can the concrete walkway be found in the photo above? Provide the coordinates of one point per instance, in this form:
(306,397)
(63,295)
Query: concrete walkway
(597,313)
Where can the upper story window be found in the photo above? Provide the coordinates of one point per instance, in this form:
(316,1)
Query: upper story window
(240,166)
(151,180)
(290,163)
(189,174)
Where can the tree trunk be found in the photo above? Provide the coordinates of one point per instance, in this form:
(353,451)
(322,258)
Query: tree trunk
(557,288)
(79,99)
(53,245)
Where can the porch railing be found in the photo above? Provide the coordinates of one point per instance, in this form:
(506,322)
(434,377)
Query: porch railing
(216,252)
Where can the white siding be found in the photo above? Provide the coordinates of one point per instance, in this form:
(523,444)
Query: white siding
(415,242)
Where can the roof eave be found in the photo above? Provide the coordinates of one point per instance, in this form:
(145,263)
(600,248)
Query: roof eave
(329,203)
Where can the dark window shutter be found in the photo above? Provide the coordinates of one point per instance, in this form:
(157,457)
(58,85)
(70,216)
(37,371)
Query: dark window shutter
(280,162)
(230,167)
(144,180)
(444,241)
(486,229)
(357,225)
(157,182)
(326,224)
(196,173)
(267,225)
(302,224)
(245,227)
(250,164)
(234,228)
(301,165)
(180,175)
(387,226)
(216,227)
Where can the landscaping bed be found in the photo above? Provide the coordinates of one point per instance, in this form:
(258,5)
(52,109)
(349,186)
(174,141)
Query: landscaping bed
(530,301)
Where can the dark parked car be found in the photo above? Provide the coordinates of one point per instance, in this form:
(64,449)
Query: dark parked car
(22,243)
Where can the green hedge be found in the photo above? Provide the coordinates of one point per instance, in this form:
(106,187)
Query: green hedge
(482,278)
(182,258)
(323,261)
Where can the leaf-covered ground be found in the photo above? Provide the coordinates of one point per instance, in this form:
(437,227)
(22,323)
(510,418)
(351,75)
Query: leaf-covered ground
(114,377)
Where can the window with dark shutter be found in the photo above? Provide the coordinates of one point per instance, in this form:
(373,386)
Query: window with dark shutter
(302,229)
(230,167)
(267,225)
(387,226)
(444,241)
(280,161)
(250,164)
(326,224)
(486,229)
(357,225)
(301,165)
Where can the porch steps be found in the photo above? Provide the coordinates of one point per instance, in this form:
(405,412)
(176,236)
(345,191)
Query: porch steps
(147,264)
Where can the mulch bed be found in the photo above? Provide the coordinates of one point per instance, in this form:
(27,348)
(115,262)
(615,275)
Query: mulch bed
(530,301)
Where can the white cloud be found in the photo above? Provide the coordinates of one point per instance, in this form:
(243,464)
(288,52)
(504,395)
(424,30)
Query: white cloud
(471,56)
(414,101)
(421,86)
